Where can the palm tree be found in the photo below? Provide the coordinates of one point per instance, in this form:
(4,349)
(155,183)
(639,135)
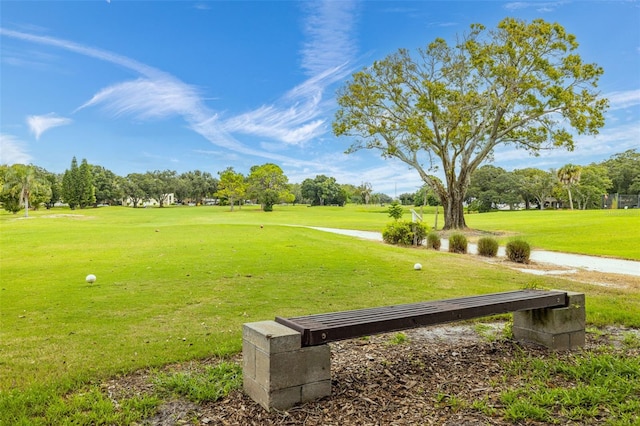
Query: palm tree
(23,182)
(569,175)
(365,190)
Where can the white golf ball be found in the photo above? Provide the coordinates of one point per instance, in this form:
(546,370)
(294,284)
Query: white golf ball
(417,266)
(91,278)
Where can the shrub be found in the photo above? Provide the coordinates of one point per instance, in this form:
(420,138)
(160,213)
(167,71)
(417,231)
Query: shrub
(487,246)
(433,241)
(518,251)
(457,243)
(404,232)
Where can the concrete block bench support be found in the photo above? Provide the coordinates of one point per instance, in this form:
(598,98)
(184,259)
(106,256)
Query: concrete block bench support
(277,371)
(555,328)
(285,366)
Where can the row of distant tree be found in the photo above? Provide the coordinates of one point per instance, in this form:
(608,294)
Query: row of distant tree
(581,186)
(87,185)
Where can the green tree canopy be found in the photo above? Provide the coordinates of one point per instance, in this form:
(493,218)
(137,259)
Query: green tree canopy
(269,185)
(157,185)
(196,186)
(23,186)
(533,185)
(521,84)
(323,190)
(593,184)
(232,186)
(132,186)
(624,172)
(108,186)
(491,186)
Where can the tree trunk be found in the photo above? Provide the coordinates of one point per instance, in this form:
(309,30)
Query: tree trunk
(570,200)
(453,209)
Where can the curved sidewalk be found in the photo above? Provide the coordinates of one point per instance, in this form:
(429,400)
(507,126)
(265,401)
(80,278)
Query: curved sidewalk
(590,263)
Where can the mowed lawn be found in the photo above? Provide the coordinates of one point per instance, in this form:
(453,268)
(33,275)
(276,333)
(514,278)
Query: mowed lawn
(177,283)
(612,233)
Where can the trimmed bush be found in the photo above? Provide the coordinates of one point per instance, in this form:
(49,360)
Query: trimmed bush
(487,246)
(518,251)
(457,243)
(405,233)
(433,241)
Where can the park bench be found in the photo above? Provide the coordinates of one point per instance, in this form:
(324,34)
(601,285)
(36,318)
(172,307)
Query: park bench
(288,361)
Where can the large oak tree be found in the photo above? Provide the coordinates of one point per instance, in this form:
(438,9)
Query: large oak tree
(521,84)
(269,185)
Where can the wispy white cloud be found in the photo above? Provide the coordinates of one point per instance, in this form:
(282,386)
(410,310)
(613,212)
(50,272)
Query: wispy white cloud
(201,6)
(13,150)
(146,98)
(84,50)
(295,118)
(443,24)
(538,6)
(392,178)
(621,100)
(299,115)
(38,124)
(29,58)
(329,27)
(293,125)
(403,10)
(588,149)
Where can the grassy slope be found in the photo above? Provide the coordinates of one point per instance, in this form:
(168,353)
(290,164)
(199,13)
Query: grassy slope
(177,283)
(613,233)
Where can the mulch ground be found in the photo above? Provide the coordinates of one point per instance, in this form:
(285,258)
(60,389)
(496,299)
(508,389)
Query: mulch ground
(376,382)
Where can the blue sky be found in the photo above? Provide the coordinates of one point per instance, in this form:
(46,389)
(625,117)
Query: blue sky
(137,86)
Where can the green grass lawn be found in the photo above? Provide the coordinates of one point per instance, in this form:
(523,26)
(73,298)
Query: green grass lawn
(177,283)
(613,233)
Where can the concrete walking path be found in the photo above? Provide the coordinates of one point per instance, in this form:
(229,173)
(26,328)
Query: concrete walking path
(590,263)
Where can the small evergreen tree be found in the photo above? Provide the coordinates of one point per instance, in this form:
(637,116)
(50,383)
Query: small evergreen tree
(70,185)
(395,210)
(86,190)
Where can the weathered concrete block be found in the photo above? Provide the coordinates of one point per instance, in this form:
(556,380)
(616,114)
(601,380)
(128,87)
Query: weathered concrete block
(278,372)
(317,390)
(271,337)
(248,360)
(557,328)
(306,365)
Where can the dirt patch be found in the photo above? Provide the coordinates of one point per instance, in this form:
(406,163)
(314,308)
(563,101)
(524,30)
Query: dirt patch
(431,378)
(473,235)
(66,216)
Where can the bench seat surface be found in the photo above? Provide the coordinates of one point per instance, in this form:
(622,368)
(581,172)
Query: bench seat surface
(323,328)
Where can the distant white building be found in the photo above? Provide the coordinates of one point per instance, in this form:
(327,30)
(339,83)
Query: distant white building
(151,202)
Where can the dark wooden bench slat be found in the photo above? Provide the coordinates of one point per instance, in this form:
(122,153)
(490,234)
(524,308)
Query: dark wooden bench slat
(322,328)
(403,310)
(414,309)
(422,306)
